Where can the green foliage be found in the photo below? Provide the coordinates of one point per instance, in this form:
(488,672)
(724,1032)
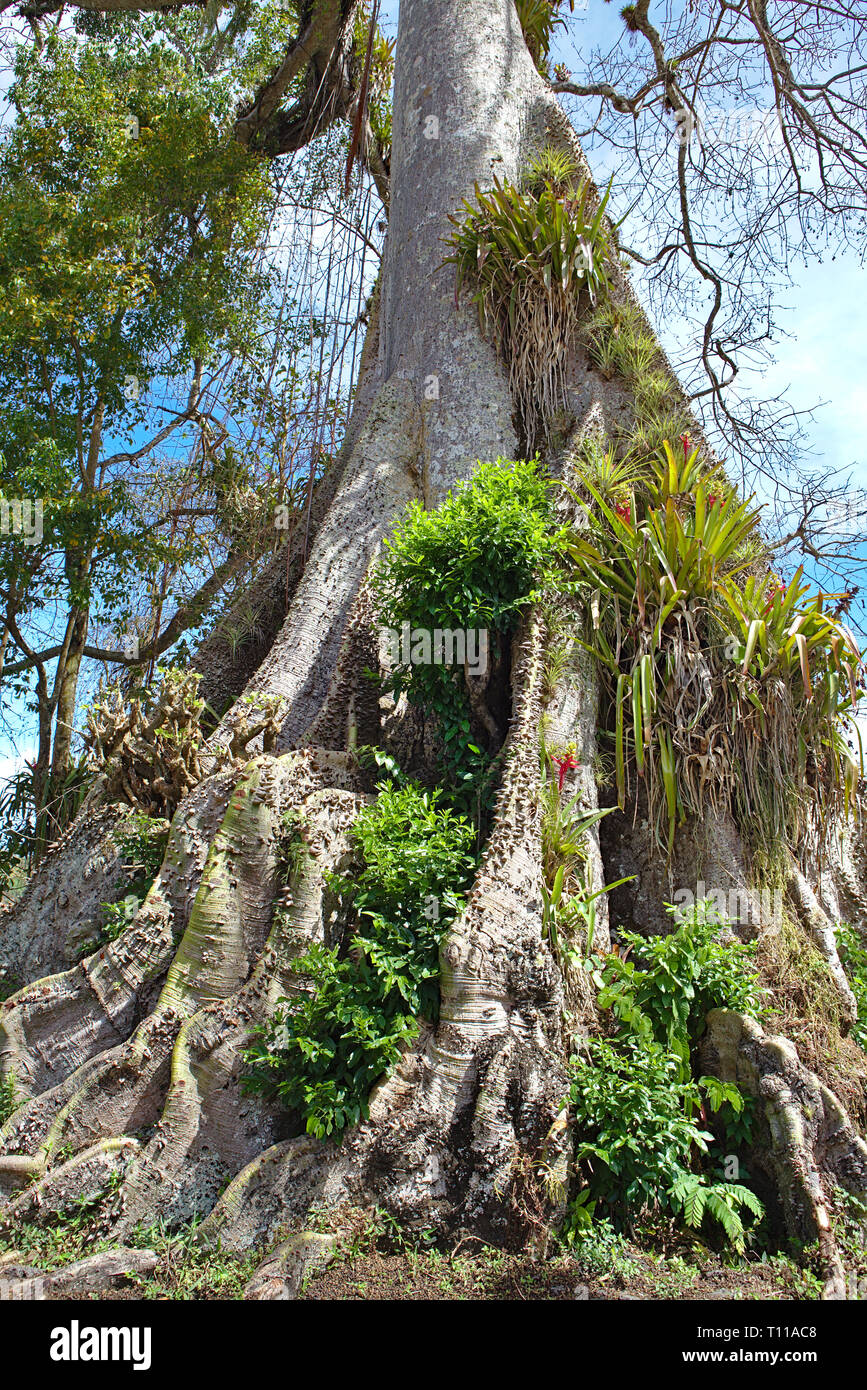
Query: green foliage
(853,954)
(142,841)
(729,690)
(553,168)
(324,1051)
(116,917)
(664,986)
(130,228)
(473,563)
(620,345)
(358,1003)
(693,1198)
(527,255)
(19,798)
(539,20)
(635,1109)
(98,227)
(635,1099)
(568,904)
(478,559)
(9,1101)
(598,1248)
(379,110)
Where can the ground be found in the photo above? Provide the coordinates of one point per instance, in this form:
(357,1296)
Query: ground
(375,1262)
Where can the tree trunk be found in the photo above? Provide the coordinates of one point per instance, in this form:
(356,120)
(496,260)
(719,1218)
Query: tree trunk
(146,1036)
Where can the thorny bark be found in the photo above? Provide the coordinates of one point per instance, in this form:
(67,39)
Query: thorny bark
(132,1058)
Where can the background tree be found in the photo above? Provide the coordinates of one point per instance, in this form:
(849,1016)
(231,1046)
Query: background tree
(152,407)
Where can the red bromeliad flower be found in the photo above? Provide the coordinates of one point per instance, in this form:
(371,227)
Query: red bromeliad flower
(684,439)
(775,591)
(713,499)
(624,511)
(564,765)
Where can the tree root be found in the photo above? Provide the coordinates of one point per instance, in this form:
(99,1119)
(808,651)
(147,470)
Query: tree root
(53,1026)
(812,1144)
(208,1130)
(815,919)
(80,1182)
(445,1130)
(57,911)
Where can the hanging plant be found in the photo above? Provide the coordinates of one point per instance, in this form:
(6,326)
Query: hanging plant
(538,20)
(527,256)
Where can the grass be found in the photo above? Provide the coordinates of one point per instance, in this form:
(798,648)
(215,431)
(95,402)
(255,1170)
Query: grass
(8,1098)
(183,1271)
(377,1259)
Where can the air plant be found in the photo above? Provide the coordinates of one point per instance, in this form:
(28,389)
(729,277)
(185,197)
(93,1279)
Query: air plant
(527,257)
(726,691)
(538,20)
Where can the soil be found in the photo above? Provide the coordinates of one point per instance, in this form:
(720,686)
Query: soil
(407,1277)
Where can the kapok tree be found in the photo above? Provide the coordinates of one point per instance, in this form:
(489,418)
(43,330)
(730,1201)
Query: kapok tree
(133,1059)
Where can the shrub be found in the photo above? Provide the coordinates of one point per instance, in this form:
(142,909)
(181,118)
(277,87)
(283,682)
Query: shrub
(640,1140)
(670,983)
(358,1003)
(634,1096)
(473,563)
(476,560)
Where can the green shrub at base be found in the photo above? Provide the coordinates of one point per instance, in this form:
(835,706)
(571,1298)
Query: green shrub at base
(359,1003)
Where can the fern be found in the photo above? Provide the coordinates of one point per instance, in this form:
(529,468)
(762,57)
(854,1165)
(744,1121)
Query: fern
(696,1198)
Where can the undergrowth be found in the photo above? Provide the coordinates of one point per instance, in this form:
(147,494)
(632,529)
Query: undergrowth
(636,1101)
(184,1270)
